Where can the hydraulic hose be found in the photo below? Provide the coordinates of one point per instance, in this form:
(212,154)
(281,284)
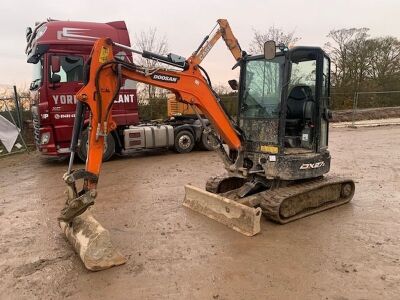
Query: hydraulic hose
(76,132)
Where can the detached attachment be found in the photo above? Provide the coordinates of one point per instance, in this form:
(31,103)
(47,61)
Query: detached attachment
(242,218)
(92,242)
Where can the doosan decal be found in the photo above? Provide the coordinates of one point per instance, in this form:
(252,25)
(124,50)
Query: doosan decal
(71,99)
(316,165)
(207,49)
(165,78)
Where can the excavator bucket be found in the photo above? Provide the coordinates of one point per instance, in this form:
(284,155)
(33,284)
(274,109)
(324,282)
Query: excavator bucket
(92,242)
(242,218)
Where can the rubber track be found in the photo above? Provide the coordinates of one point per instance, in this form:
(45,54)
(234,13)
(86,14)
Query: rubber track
(214,184)
(272,200)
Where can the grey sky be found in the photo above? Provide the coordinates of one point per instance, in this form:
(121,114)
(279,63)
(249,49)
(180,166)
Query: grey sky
(185,23)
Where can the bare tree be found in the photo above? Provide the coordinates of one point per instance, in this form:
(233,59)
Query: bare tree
(150,41)
(362,63)
(348,50)
(273,33)
(385,62)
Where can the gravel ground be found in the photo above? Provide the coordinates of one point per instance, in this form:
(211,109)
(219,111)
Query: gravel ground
(350,252)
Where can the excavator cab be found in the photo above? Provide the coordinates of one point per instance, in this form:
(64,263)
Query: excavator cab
(283,119)
(283,113)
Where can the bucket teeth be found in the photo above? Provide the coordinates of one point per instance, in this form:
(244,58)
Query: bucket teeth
(242,218)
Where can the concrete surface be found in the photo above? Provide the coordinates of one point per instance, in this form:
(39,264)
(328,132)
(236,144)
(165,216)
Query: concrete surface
(350,252)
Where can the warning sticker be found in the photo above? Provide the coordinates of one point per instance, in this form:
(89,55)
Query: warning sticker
(269,149)
(103,54)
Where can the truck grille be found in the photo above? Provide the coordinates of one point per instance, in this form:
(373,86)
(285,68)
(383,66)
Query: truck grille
(36,128)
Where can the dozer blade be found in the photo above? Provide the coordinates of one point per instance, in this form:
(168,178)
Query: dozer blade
(92,242)
(242,218)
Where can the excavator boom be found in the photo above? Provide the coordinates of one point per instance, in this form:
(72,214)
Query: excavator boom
(105,77)
(106,74)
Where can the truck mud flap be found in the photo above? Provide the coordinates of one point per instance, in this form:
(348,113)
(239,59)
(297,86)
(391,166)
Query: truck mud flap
(92,242)
(242,218)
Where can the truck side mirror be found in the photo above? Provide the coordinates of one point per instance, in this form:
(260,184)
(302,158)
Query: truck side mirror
(269,49)
(233,84)
(55,64)
(55,78)
(28,33)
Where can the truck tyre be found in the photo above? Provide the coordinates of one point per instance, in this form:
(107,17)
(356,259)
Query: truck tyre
(109,147)
(184,141)
(204,143)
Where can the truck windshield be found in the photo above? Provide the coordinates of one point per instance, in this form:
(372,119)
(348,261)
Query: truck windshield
(37,75)
(263,88)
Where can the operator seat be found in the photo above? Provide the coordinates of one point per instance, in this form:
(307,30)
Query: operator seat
(300,105)
(300,110)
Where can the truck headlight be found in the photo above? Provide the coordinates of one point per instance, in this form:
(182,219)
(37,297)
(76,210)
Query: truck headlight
(45,138)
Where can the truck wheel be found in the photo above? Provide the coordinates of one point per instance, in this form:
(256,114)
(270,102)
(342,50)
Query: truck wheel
(184,142)
(109,147)
(205,143)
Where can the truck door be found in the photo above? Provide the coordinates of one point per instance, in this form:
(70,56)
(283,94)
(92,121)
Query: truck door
(65,80)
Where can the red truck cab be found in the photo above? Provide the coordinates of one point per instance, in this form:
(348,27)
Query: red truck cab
(58,51)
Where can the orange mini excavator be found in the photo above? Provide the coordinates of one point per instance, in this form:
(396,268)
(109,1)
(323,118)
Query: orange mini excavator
(275,151)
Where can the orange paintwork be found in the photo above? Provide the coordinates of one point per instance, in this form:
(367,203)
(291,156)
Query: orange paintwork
(196,58)
(88,95)
(191,88)
(231,42)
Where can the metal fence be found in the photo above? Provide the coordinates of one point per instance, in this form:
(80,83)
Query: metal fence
(20,112)
(354,105)
(374,99)
(361,105)
(348,107)
(17,109)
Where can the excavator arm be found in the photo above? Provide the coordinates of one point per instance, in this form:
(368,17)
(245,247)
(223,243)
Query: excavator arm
(208,43)
(104,78)
(188,85)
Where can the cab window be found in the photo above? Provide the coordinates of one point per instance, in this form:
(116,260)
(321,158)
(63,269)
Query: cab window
(263,87)
(68,68)
(304,73)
